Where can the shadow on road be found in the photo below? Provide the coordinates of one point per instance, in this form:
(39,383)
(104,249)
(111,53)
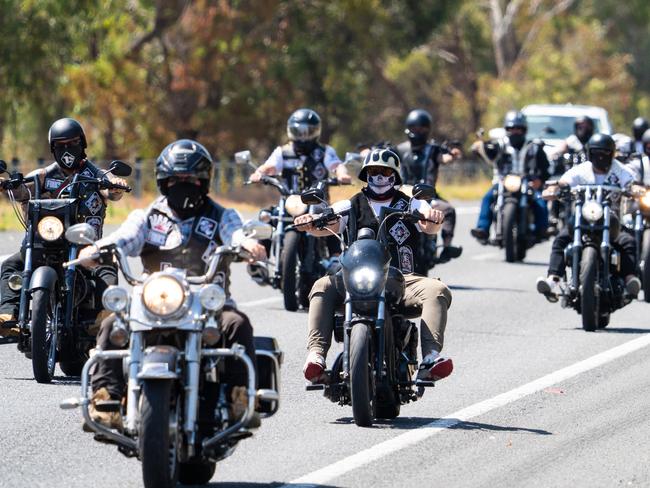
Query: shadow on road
(244,484)
(57,380)
(626,330)
(533,263)
(497,428)
(484,288)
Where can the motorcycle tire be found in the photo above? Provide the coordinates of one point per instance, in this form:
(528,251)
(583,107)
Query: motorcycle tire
(603,321)
(645,258)
(196,473)
(158,456)
(71,368)
(510,238)
(387,404)
(290,270)
(361,377)
(589,301)
(43,339)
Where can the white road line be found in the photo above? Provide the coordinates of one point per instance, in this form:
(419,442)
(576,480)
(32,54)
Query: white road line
(467,210)
(420,434)
(262,301)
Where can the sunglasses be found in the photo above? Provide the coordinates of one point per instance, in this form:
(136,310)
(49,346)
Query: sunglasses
(378,170)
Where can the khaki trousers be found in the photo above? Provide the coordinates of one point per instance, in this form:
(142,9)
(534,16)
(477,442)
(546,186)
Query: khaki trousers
(426,297)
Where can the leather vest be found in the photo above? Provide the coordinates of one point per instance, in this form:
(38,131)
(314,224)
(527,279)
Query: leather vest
(421,165)
(187,245)
(403,236)
(310,171)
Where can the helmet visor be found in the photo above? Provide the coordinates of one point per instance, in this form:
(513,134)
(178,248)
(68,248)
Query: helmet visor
(303,132)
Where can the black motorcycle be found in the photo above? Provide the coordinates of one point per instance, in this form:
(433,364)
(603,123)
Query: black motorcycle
(641,227)
(57,305)
(375,371)
(594,288)
(296,260)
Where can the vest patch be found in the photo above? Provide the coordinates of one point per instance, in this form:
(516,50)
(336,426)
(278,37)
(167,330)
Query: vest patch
(399,232)
(206,227)
(52,184)
(96,223)
(88,173)
(406,259)
(94,203)
(401,204)
(319,172)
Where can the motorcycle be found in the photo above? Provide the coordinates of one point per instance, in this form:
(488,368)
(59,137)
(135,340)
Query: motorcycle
(638,222)
(594,288)
(176,417)
(374,372)
(57,305)
(296,260)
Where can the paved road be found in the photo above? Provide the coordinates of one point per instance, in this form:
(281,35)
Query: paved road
(534,401)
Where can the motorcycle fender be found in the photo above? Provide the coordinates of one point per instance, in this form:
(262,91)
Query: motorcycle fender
(44,277)
(159,363)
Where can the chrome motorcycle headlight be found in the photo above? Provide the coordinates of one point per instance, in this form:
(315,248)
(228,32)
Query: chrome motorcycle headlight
(50,228)
(212,297)
(592,211)
(115,299)
(163,295)
(294,206)
(364,280)
(265,216)
(512,183)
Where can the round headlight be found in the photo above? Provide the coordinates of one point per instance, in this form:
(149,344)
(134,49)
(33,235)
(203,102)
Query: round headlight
(294,206)
(15,282)
(50,228)
(265,216)
(212,297)
(592,211)
(364,280)
(645,200)
(115,299)
(512,183)
(163,295)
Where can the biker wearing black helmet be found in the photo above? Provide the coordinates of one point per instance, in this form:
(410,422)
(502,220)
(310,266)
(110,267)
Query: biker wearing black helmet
(601,168)
(639,126)
(68,144)
(421,160)
(181,228)
(640,163)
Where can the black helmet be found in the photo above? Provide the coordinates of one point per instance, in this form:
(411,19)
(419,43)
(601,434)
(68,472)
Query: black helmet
(515,119)
(184,157)
(645,140)
(639,126)
(303,126)
(583,128)
(600,151)
(64,129)
(418,126)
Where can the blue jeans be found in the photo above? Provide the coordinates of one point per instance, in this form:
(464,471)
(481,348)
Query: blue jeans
(539,208)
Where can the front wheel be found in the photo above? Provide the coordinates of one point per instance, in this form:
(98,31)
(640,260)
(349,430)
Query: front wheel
(361,390)
(589,306)
(157,448)
(71,368)
(43,336)
(290,270)
(509,231)
(645,258)
(196,473)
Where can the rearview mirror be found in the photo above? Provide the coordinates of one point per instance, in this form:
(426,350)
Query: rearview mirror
(81,234)
(423,192)
(353,157)
(313,196)
(120,168)
(243,157)
(257,229)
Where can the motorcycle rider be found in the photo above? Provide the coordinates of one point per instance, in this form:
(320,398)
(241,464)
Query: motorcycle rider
(583,129)
(381,172)
(68,144)
(513,153)
(181,228)
(639,126)
(601,168)
(421,162)
(640,163)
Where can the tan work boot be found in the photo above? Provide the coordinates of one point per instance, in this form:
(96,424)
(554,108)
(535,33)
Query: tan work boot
(112,420)
(238,404)
(12,332)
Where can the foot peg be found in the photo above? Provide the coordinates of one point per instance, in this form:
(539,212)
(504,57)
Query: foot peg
(315,386)
(108,405)
(425,384)
(70,404)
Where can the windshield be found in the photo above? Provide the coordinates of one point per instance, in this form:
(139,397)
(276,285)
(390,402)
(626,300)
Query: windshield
(561,126)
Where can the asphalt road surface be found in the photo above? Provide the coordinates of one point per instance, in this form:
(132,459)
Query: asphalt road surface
(534,401)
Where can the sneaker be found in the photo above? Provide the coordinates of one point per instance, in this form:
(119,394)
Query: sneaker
(449,252)
(314,369)
(549,287)
(238,404)
(112,420)
(633,286)
(434,367)
(8,331)
(481,235)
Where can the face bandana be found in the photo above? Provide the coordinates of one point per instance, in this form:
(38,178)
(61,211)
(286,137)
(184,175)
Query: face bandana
(381,187)
(517,140)
(69,157)
(186,199)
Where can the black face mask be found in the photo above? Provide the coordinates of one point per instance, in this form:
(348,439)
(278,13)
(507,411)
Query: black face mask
(186,199)
(584,134)
(417,139)
(517,140)
(69,157)
(304,148)
(602,160)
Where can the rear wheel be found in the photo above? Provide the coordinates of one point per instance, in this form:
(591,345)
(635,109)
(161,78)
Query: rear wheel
(645,258)
(361,388)
(43,335)
(157,448)
(589,306)
(290,270)
(196,473)
(510,240)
